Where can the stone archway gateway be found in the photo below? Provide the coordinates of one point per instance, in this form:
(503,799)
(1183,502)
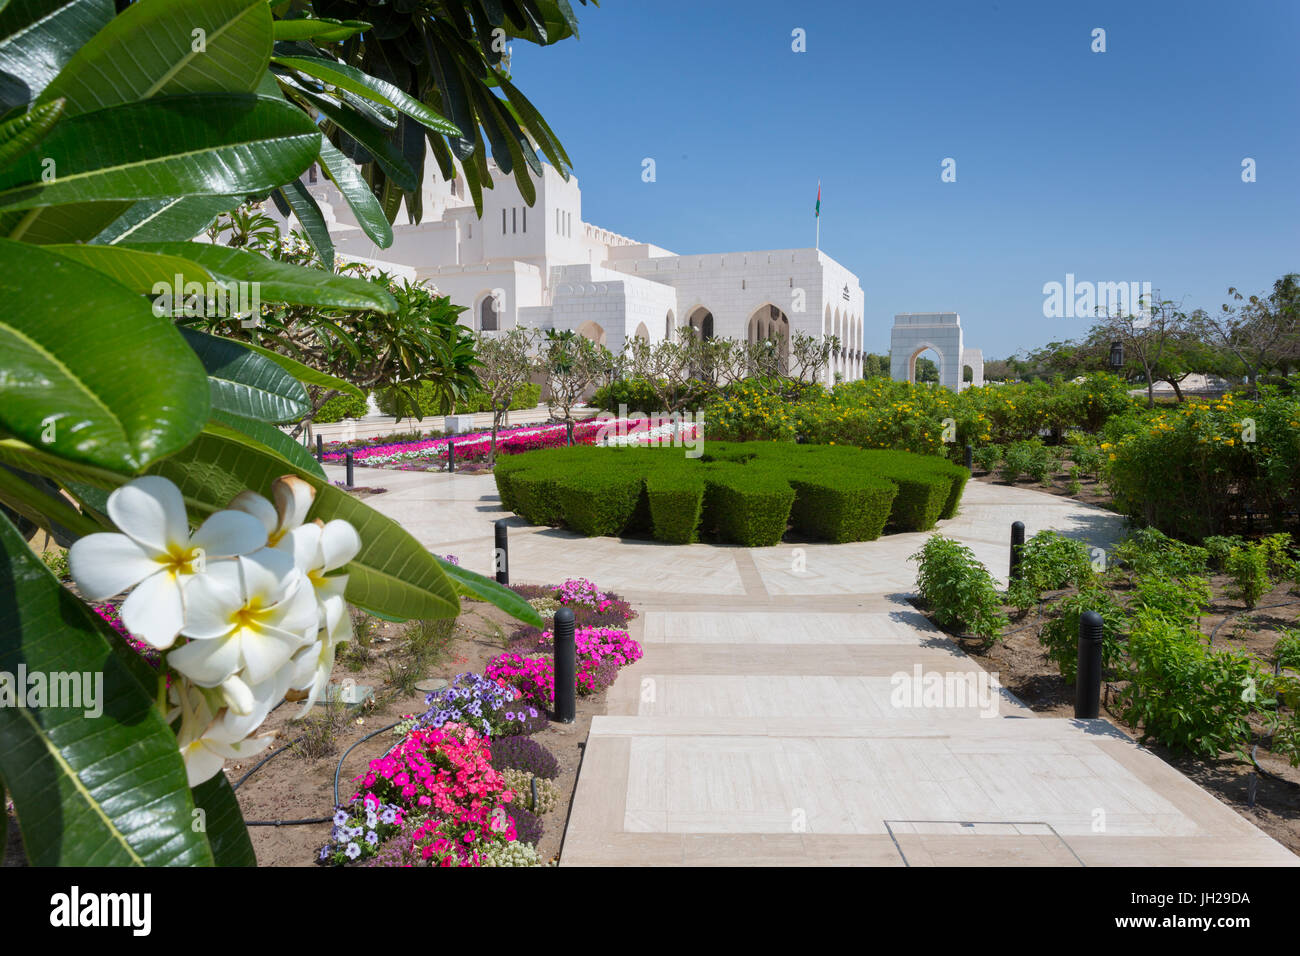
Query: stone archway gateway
(917,332)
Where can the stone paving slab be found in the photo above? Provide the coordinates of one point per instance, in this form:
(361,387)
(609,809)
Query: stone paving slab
(760,727)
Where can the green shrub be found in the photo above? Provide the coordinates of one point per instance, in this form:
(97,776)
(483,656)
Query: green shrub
(536,495)
(340,407)
(1248,567)
(747,506)
(599,501)
(676,502)
(1184,694)
(1277,550)
(1181,600)
(1050,561)
(56,559)
(1030,458)
(1287,650)
(1148,551)
(745,492)
(841,506)
(958,589)
(1060,635)
(1218,546)
(986,457)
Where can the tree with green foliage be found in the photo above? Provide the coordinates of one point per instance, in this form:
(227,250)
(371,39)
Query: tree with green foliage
(115,419)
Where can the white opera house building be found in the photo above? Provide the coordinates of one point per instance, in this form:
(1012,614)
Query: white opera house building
(544,266)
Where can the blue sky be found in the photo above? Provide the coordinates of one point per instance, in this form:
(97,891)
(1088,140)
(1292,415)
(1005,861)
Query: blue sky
(1117,167)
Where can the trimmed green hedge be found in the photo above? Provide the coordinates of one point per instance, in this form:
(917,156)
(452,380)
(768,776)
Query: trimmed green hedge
(747,493)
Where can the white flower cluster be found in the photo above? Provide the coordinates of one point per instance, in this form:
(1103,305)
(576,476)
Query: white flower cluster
(246,603)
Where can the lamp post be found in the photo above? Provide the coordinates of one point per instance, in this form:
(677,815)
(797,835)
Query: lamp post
(1117,355)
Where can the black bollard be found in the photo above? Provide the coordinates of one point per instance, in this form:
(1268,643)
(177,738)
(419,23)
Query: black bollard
(1017,546)
(451,457)
(566,667)
(1087,680)
(502,553)
(970,459)
(320,448)
(348,462)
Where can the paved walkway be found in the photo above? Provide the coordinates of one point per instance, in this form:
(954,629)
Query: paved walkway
(765,724)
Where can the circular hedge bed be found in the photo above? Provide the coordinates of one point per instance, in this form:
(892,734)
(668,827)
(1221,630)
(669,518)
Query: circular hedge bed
(747,493)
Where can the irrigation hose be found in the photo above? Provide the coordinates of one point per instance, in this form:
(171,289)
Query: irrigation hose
(337,772)
(1266,607)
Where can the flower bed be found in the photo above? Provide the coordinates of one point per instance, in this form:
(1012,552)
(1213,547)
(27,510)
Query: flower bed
(465,785)
(432,452)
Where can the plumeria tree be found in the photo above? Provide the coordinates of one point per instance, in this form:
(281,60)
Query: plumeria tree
(507,360)
(572,364)
(155,446)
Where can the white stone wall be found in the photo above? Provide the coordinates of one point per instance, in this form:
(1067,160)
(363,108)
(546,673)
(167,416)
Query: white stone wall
(914,332)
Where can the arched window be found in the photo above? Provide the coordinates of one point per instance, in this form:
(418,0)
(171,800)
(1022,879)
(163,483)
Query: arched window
(487,313)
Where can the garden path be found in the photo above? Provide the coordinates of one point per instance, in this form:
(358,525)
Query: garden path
(764,724)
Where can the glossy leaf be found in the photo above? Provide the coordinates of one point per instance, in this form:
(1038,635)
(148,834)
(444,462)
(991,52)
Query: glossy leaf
(309,216)
(362,84)
(305,373)
(213,144)
(40,36)
(163,47)
(224,822)
(23,132)
(108,790)
(166,220)
(485,589)
(274,439)
(345,175)
(279,281)
(138,270)
(244,383)
(323,30)
(73,392)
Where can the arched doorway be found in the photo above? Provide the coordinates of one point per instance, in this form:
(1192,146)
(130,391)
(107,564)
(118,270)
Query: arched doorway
(769,324)
(489,311)
(642,333)
(701,320)
(592,330)
(670,326)
(925,365)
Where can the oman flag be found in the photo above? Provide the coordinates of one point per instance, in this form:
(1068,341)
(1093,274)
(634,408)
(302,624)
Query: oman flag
(817,210)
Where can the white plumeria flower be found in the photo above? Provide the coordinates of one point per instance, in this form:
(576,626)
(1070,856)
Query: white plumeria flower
(293,499)
(317,550)
(245,619)
(207,740)
(156,554)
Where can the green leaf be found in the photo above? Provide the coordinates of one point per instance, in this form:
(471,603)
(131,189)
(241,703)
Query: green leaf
(224,823)
(322,30)
(40,36)
(469,583)
(164,47)
(376,141)
(393,574)
(274,439)
(138,270)
(213,144)
(108,790)
(166,220)
(280,281)
(81,395)
(244,383)
(305,373)
(372,88)
(22,133)
(310,218)
(364,205)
